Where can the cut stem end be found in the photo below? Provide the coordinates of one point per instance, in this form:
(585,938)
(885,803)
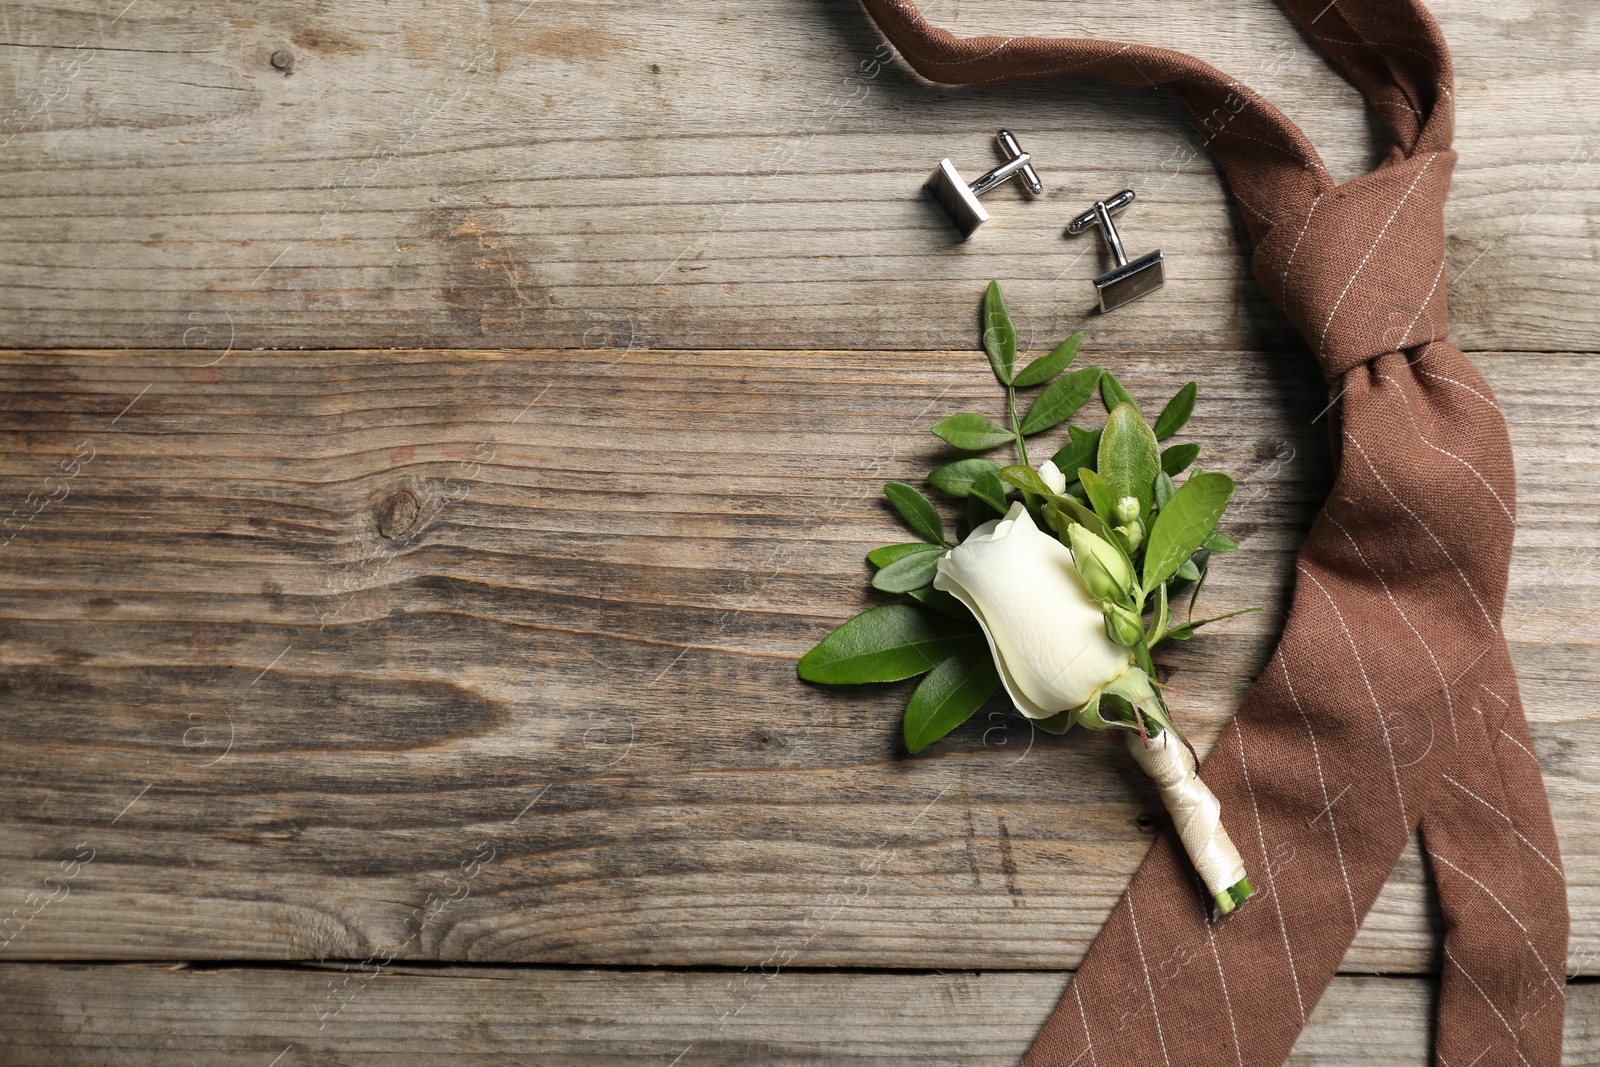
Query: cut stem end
(1234,895)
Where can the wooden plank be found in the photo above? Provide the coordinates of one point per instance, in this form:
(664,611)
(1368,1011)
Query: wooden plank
(400,1016)
(703,175)
(489,656)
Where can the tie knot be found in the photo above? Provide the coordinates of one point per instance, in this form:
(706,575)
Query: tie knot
(1360,271)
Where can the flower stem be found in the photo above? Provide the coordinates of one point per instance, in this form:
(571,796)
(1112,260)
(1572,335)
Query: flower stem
(1016,429)
(1196,815)
(1234,895)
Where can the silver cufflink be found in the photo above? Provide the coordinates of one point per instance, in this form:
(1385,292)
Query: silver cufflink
(960,200)
(1127,280)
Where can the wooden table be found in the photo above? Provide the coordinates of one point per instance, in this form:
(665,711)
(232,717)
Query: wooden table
(432,432)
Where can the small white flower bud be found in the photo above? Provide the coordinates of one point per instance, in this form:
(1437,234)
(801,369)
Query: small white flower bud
(1051,475)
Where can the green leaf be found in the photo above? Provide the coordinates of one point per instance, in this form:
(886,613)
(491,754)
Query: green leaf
(989,489)
(950,695)
(1218,618)
(1130,459)
(1044,368)
(1188,571)
(943,603)
(1026,479)
(911,571)
(957,478)
(1176,413)
(978,513)
(1100,498)
(999,335)
(1194,594)
(972,433)
(1058,723)
(1164,489)
(1080,451)
(917,510)
(1176,460)
(1217,541)
(1183,524)
(883,644)
(1186,631)
(1061,399)
(882,557)
(1064,511)
(1163,616)
(1112,393)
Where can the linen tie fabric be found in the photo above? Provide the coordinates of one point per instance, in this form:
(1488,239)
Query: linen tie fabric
(1390,701)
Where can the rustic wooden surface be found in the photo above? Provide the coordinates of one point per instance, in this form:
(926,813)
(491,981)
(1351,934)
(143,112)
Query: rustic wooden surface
(703,174)
(484,655)
(405,1016)
(489,656)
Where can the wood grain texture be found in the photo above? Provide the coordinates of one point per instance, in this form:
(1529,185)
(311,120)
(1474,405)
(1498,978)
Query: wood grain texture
(699,174)
(489,656)
(405,1016)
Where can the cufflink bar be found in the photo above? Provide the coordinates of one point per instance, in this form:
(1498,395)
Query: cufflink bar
(1128,280)
(960,200)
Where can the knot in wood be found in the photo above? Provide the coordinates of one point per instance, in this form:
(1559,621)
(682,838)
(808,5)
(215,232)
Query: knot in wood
(398,514)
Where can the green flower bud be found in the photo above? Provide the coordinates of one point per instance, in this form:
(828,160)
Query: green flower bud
(1123,626)
(1128,509)
(1132,535)
(1101,566)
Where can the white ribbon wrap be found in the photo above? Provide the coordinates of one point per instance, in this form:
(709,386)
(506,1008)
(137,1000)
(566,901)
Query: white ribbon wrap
(1196,812)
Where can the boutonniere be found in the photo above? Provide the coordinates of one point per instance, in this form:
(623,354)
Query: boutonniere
(1061,583)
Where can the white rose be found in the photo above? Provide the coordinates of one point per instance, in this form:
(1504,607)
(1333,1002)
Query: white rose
(1045,631)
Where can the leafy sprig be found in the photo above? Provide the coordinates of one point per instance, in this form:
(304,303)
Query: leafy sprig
(1120,486)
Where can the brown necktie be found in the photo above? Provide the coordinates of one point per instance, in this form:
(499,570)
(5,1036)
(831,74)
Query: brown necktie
(1390,701)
